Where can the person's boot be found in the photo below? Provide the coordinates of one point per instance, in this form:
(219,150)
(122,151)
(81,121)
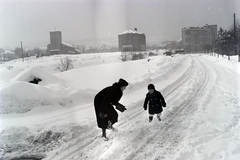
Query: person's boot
(110,126)
(114,129)
(104,134)
(150,118)
(159,118)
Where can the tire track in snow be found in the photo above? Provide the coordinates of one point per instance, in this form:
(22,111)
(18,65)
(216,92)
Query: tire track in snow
(182,119)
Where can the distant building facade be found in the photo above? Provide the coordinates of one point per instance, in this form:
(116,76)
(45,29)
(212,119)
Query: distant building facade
(131,40)
(199,39)
(7,56)
(56,45)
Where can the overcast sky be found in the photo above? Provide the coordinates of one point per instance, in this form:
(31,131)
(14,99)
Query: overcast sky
(30,21)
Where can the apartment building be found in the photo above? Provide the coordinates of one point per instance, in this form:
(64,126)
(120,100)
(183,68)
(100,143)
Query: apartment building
(132,40)
(199,39)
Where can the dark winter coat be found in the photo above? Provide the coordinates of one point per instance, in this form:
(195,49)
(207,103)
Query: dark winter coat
(155,102)
(104,101)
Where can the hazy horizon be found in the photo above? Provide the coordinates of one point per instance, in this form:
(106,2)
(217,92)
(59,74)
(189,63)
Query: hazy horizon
(30,21)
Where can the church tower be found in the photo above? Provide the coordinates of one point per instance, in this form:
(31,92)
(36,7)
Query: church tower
(55,40)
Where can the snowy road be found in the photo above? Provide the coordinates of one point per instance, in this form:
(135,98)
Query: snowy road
(201,120)
(190,90)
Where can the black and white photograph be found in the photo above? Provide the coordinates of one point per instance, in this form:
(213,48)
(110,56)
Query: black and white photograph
(119,79)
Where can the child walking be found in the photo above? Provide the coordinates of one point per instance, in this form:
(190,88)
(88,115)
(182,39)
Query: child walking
(155,102)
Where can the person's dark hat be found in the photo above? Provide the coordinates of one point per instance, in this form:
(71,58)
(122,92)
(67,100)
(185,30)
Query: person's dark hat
(151,86)
(122,82)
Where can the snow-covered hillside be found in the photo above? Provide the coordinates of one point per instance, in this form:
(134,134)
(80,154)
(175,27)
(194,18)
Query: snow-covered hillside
(55,118)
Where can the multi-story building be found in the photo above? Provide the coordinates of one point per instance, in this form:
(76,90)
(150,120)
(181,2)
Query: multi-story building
(199,39)
(56,45)
(132,40)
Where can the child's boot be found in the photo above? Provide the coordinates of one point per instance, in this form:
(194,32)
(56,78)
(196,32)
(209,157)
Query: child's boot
(150,118)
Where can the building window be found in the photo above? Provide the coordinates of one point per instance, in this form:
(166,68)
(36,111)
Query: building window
(196,39)
(187,40)
(187,32)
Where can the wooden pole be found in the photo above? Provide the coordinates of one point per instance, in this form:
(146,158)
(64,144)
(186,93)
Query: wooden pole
(22,52)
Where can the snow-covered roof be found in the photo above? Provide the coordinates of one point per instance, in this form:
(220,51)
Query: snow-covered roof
(66,44)
(69,45)
(8,52)
(130,31)
(54,31)
(77,50)
(179,40)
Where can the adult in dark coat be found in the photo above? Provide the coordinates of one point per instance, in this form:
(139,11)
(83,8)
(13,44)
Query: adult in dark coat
(103,102)
(155,102)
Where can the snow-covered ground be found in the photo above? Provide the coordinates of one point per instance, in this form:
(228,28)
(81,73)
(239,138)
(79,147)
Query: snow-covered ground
(55,119)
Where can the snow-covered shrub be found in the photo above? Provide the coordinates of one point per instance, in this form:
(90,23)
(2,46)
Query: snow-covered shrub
(65,64)
(9,67)
(128,56)
(136,56)
(151,54)
(125,56)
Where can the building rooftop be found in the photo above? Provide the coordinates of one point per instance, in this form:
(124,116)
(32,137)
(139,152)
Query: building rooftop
(66,44)
(206,27)
(7,52)
(54,31)
(130,31)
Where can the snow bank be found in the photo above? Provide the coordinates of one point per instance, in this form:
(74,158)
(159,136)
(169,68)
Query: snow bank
(78,86)
(20,96)
(36,142)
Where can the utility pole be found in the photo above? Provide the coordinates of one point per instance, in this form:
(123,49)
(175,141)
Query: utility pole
(4,57)
(22,52)
(235,38)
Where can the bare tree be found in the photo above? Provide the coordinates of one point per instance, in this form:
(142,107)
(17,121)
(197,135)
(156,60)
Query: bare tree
(65,64)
